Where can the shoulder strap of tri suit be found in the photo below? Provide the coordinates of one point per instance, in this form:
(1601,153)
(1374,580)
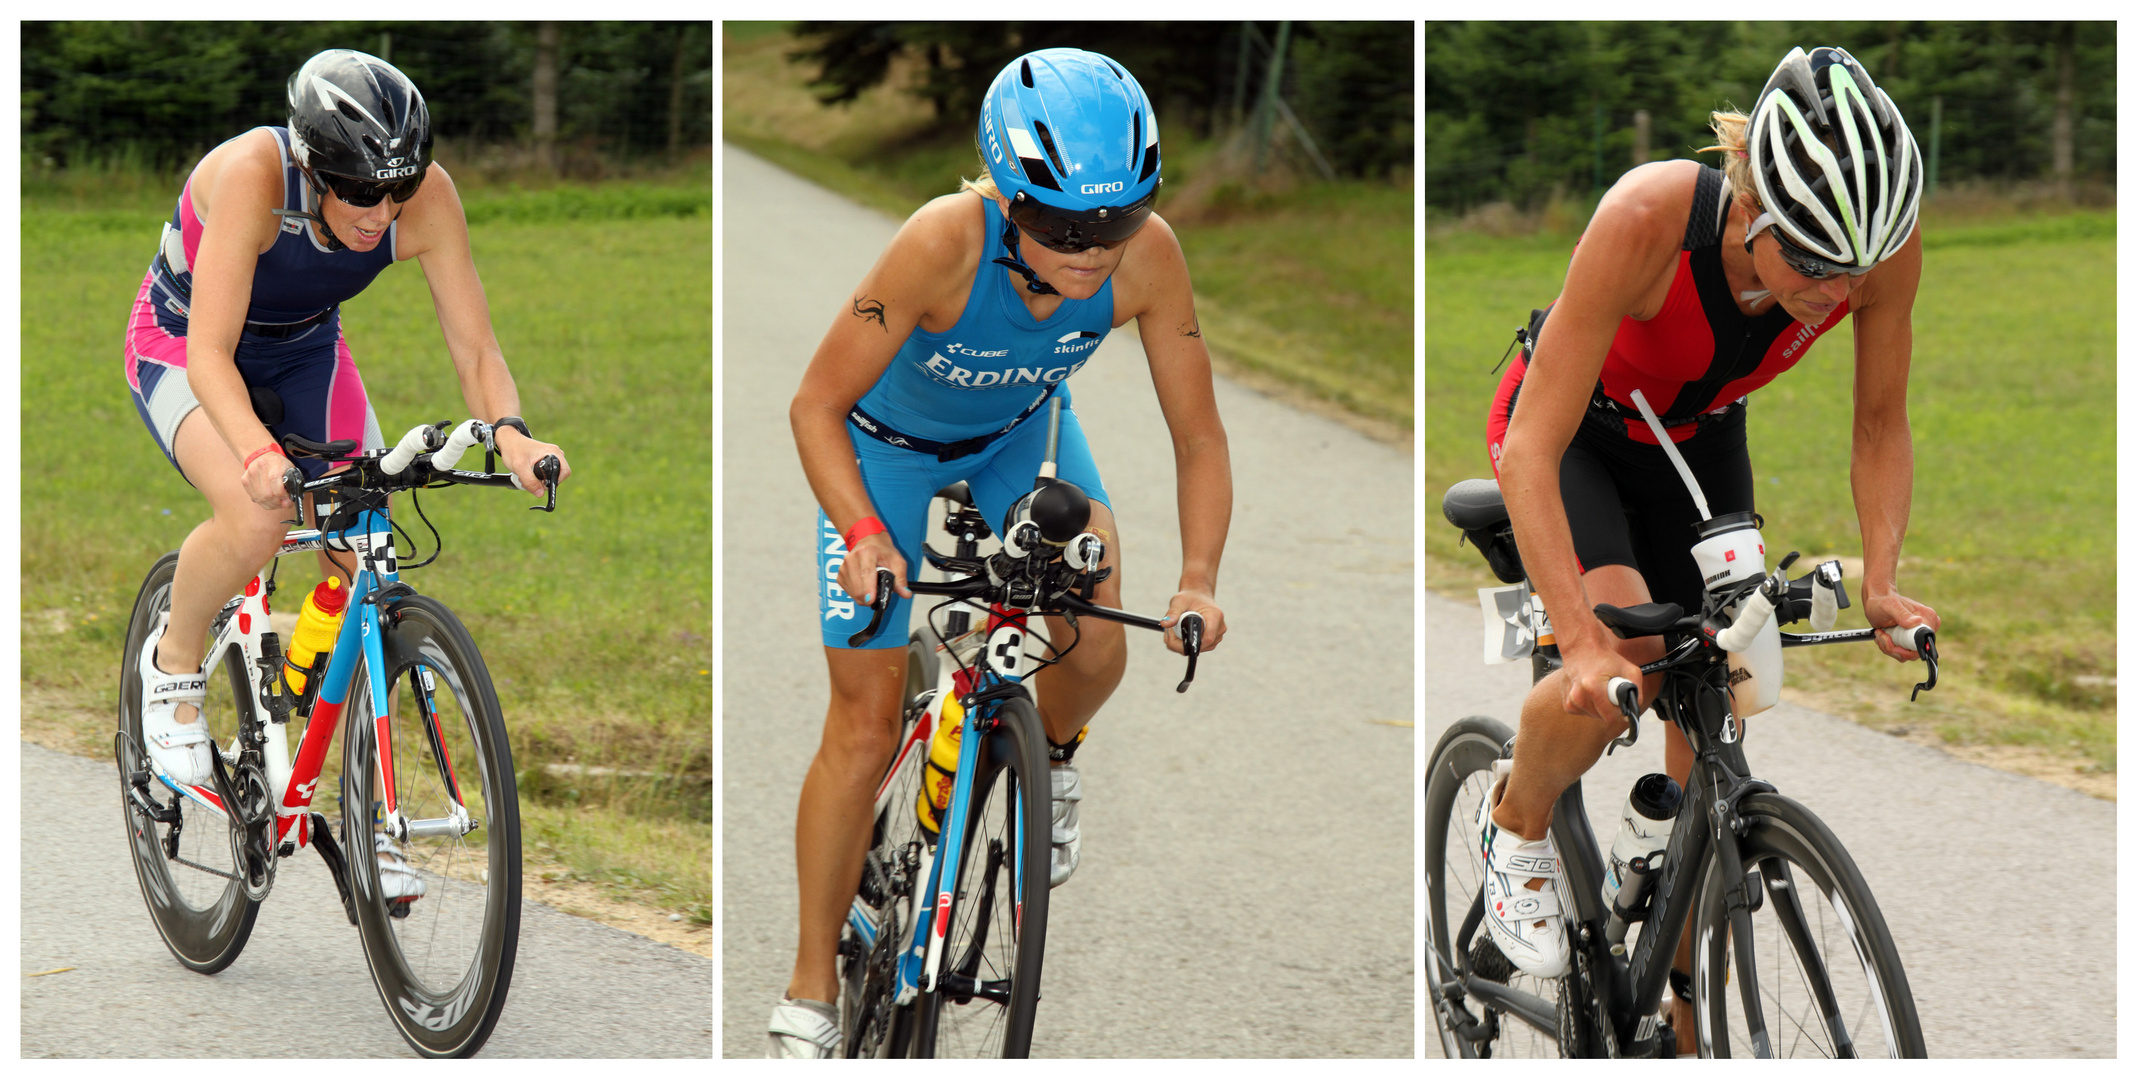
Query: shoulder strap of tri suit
(1704,227)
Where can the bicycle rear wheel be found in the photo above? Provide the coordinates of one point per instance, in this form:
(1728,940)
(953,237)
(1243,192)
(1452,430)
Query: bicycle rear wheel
(878,927)
(441,959)
(1826,979)
(987,990)
(1457,783)
(185,864)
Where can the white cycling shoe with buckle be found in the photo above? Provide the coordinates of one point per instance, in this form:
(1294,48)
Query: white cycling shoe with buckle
(180,751)
(398,882)
(801,1028)
(1527,924)
(1068,787)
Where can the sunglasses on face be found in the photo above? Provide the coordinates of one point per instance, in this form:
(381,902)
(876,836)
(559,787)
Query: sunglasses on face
(364,194)
(1803,262)
(1070,232)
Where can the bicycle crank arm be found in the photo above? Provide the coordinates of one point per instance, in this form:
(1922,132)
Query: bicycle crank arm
(330,853)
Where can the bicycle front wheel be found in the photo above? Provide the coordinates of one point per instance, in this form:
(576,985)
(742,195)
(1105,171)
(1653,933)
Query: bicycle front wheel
(1805,968)
(185,862)
(879,925)
(987,988)
(439,908)
(1459,780)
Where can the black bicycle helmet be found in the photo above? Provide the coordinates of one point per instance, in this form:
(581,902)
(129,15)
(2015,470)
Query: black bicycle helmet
(356,118)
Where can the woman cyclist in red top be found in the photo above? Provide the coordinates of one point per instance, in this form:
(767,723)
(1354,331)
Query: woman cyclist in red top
(1695,287)
(235,341)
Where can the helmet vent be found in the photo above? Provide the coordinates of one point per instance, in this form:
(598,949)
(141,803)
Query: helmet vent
(1046,139)
(1135,136)
(1027,70)
(1118,73)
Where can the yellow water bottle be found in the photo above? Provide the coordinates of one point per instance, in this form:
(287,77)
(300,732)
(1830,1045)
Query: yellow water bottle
(318,624)
(940,772)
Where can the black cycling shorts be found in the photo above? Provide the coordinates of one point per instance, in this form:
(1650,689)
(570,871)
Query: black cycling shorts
(1627,506)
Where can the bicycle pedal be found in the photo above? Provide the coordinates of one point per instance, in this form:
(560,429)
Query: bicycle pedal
(398,910)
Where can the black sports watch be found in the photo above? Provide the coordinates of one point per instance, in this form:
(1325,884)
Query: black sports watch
(505,422)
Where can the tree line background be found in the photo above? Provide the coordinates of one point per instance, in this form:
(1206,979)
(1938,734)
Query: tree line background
(1349,84)
(577,97)
(1524,112)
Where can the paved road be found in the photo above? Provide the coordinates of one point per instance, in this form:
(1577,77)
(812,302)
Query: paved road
(580,989)
(1246,886)
(2000,890)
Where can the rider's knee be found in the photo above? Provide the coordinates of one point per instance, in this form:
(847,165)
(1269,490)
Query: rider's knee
(857,738)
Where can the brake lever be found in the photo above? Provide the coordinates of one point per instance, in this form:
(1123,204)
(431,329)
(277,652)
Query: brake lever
(1628,698)
(878,604)
(1923,641)
(293,486)
(1191,643)
(546,470)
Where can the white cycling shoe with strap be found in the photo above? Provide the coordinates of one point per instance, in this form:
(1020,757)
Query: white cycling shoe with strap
(1527,924)
(398,881)
(179,749)
(801,1028)
(1068,791)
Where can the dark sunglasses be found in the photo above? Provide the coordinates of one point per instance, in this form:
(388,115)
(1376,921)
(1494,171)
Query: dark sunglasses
(1803,262)
(365,194)
(1072,231)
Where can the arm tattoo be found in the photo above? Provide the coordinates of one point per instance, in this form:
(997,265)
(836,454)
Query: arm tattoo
(1191,328)
(866,309)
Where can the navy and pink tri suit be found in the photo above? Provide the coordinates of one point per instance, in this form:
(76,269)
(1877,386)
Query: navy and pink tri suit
(291,353)
(1693,362)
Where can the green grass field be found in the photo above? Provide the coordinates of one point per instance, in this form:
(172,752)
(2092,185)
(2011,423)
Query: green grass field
(1309,283)
(594,621)
(2012,404)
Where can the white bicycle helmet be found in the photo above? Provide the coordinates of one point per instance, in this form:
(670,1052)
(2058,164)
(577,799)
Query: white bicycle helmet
(1836,167)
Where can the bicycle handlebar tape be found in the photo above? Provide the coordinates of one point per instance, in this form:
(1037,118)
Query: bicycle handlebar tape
(1754,645)
(464,438)
(420,439)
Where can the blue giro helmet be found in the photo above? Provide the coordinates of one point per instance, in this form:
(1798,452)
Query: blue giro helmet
(1071,140)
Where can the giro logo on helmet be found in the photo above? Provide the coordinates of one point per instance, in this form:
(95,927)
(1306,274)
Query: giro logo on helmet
(1103,189)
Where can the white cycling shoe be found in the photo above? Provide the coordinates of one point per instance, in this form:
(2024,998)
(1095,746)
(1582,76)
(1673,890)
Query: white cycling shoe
(1068,787)
(180,751)
(1527,924)
(801,1028)
(398,881)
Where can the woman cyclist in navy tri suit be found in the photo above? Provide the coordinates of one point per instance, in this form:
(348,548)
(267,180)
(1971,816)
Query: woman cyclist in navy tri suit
(1694,286)
(981,307)
(235,341)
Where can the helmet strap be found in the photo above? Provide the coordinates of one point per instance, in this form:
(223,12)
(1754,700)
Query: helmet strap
(1031,280)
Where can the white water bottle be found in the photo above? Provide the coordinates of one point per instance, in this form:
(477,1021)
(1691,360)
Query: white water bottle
(1643,831)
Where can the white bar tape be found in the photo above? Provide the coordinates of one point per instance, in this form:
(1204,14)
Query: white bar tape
(1752,617)
(415,442)
(464,438)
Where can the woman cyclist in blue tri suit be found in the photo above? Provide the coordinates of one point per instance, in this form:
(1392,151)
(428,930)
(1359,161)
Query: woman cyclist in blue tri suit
(1694,287)
(235,341)
(981,306)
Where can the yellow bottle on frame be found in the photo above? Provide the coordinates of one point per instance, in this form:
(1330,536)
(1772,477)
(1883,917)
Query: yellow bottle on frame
(318,624)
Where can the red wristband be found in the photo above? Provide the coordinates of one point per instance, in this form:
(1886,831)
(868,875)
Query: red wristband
(867,526)
(270,448)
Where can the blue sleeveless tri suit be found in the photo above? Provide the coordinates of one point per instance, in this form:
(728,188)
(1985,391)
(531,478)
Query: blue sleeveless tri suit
(987,372)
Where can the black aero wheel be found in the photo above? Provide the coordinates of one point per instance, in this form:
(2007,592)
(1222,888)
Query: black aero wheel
(1458,780)
(438,909)
(1826,980)
(879,927)
(987,988)
(184,862)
